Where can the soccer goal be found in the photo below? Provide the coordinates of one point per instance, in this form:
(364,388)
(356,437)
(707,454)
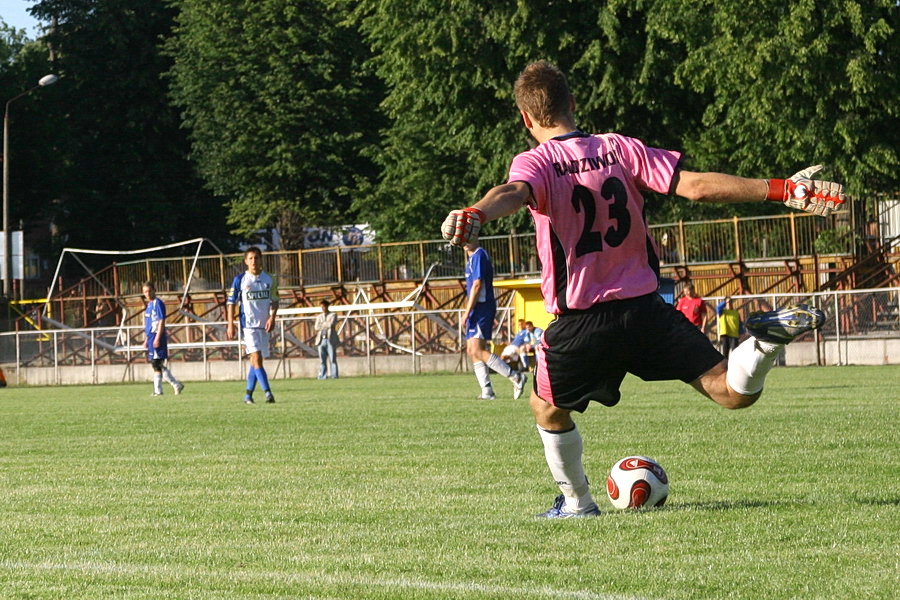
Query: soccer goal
(140,265)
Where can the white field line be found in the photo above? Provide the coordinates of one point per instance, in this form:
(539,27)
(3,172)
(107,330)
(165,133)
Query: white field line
(244,575)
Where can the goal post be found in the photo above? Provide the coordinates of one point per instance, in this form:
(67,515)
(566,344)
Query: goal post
(74,253)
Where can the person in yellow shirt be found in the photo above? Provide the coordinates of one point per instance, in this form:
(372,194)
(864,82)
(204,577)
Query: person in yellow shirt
(728,326)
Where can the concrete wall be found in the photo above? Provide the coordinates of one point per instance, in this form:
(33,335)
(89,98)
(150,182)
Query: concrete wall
(860,351)
(298,368)
(849,351)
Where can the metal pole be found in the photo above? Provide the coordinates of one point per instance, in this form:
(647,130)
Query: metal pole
(93,359)
(7,262)
(205,363)
(837,329)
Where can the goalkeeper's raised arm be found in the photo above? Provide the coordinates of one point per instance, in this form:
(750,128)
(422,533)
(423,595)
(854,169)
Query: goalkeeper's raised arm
(799,191)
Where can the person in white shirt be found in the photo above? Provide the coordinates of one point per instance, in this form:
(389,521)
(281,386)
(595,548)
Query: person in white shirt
(256,293)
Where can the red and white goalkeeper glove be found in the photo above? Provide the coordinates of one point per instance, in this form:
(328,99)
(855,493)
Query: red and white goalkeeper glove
(803,193)
(462,226)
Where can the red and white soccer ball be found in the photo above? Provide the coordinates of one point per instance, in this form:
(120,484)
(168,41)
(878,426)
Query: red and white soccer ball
(637,482)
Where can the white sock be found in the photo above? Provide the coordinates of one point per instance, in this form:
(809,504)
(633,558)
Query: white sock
(563,454)
(749,363)
(157,383)
(500,366)
(167,375)
(484,378)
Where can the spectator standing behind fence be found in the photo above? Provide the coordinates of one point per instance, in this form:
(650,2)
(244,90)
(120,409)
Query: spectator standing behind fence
(728,326)
(326,334)
(157,342)
(693,307)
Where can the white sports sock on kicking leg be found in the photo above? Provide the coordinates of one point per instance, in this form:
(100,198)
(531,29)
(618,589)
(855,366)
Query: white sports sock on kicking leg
(499,365)
(749,363)
(157,383)
(484,378)
(563,453)
(167,375)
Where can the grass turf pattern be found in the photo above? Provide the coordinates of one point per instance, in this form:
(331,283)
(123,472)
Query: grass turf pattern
(405,487)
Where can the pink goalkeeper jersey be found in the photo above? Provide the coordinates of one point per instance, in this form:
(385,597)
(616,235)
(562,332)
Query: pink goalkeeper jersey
(591,236)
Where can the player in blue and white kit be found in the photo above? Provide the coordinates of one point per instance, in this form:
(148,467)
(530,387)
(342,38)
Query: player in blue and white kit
(257,294)
(481,307)
(157,341)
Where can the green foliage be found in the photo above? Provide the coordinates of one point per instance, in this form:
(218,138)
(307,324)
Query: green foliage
(279,108)
(395,111)
(11,42)
(791,84)
(122,177)
(817,85)
(33,137)
(834,241)
(454,125)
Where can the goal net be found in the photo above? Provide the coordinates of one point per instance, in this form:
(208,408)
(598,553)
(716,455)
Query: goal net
(154,264)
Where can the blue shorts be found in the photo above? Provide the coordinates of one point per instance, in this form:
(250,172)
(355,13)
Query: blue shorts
(161,352)
(586,353)
(481,321)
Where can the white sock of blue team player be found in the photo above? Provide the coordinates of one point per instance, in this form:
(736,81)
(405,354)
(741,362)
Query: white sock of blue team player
(499,365)
(563,450)
(483,376)
(157,383)
(167,375)
(749,363)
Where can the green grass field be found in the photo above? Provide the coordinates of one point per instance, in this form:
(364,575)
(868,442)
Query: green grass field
(404,487)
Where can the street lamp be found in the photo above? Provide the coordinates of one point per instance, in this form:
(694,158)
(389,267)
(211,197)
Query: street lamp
(7,260)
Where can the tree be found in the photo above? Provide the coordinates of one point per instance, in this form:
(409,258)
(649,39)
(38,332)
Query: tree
(279,109)
(122,177)
(32,137)
(817,84)
(758,88)
(449,75)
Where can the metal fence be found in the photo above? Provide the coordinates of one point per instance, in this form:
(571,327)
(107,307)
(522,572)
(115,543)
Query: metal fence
(750,238)
(753,238)
(760,241)
(363,334)
(862,327)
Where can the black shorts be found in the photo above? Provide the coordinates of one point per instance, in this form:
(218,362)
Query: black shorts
(587,353)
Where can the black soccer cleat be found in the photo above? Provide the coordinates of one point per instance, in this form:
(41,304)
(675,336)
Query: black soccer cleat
(784,325)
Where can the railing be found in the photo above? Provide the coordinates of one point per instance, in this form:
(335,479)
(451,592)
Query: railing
(861,327)
(738,239)
(411,334)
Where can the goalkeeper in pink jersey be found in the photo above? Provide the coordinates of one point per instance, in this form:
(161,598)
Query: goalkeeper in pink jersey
(599,273)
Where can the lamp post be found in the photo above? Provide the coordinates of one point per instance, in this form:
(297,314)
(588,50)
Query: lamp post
(7,251)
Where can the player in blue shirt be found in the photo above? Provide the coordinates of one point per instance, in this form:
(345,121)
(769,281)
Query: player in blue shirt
(255,291)
(481,307)
(156,340)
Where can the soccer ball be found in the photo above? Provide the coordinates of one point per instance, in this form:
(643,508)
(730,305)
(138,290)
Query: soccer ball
(637,482)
